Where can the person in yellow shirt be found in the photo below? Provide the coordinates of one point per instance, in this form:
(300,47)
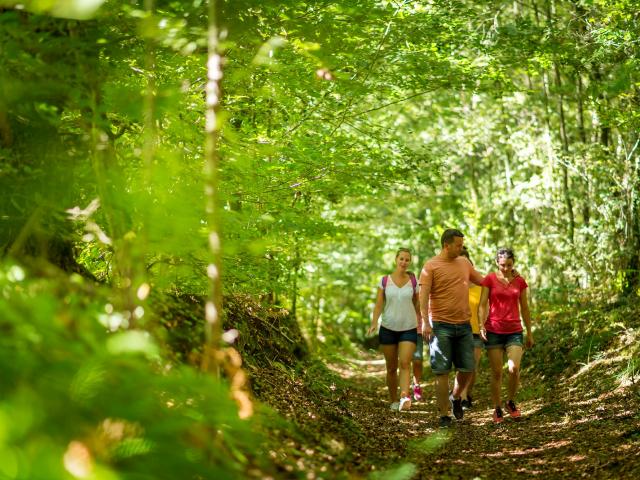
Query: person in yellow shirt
(474,302)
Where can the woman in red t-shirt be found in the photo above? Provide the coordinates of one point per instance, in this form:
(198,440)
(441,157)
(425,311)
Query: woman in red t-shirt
(501,330)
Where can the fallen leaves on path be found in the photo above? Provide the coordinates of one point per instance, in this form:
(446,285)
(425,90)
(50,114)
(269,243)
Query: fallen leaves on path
(570,432)
(577,422)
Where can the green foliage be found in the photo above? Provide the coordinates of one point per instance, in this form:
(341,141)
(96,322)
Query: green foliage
(402,472)
(584,335)
(77,399)
(349,129)
(76,9)
(354,139)
(431,443)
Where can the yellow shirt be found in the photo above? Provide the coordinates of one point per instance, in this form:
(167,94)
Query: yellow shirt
(474,303)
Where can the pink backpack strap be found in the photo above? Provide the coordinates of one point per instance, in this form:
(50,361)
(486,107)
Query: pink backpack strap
(414,282)
(385,279)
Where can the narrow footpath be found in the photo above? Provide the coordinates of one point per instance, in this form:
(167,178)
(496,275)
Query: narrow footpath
(576,428)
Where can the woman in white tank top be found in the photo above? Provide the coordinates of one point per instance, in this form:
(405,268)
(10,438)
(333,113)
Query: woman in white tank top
(397,303)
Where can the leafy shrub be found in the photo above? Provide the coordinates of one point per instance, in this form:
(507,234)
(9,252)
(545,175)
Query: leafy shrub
(79,399)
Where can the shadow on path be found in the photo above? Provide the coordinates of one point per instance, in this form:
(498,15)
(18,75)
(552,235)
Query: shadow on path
(566,431)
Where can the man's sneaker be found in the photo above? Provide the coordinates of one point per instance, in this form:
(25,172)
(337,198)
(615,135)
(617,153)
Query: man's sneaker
(467,403)
(394,406)
(417,393)
(405,404)
(456,406)
(512,409)
(497,415)
(445,422)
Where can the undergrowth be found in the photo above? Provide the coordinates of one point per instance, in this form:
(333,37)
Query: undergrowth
(588,341)
(301,409)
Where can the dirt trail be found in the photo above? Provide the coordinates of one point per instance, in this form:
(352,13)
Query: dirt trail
(570,431)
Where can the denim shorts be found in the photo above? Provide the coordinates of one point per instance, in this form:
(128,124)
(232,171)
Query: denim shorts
(391,337)
(477,341)
(451,344)
(419,353)
(503,340)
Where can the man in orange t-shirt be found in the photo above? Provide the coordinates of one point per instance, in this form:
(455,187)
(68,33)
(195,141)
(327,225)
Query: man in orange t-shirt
(444,307)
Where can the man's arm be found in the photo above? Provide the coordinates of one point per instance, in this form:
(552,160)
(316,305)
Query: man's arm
(475,277)
(426,277)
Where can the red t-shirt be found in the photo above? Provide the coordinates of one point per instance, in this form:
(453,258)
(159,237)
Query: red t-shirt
(504,304)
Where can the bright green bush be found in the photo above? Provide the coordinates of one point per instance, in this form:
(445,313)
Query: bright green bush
(80,400)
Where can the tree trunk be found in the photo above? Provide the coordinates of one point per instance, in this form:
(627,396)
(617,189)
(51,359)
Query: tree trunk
(510,220)
(586,201)
(213,308)
(565,150)
(605,130)
(296,268)
(6,134)
(632,283)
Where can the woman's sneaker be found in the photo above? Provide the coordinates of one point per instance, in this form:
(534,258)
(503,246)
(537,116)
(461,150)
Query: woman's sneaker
(497,415)
(394,406)
(405,404)
(467,403)
(512,409)
(417,393)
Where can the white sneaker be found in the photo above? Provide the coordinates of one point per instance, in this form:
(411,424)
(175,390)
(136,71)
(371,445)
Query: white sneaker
(405,404)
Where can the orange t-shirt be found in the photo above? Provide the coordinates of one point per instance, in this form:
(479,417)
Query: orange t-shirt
(448,281)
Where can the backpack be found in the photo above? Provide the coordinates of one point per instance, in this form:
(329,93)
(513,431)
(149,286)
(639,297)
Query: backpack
(412,277)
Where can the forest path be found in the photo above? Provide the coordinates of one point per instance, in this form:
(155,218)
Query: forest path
(566,431)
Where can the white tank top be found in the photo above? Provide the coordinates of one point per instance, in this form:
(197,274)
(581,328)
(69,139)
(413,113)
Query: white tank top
(399,314)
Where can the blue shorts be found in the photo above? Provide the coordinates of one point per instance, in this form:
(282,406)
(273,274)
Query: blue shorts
(451,344)
(503,340)
(391,337)
(477,341)
(419,353)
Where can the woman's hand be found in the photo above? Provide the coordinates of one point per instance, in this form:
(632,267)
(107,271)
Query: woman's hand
(372,328)
(483,333)
(529,342)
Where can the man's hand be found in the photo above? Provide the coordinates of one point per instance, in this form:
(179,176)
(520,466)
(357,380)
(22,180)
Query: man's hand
(426,330)
(372,328)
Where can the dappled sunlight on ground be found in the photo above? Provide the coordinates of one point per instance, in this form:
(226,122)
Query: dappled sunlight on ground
(368,366)
(532,451)
(606,362)
(569,431)
(374,362)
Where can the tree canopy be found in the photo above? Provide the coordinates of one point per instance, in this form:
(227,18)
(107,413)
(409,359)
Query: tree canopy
(346,129)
